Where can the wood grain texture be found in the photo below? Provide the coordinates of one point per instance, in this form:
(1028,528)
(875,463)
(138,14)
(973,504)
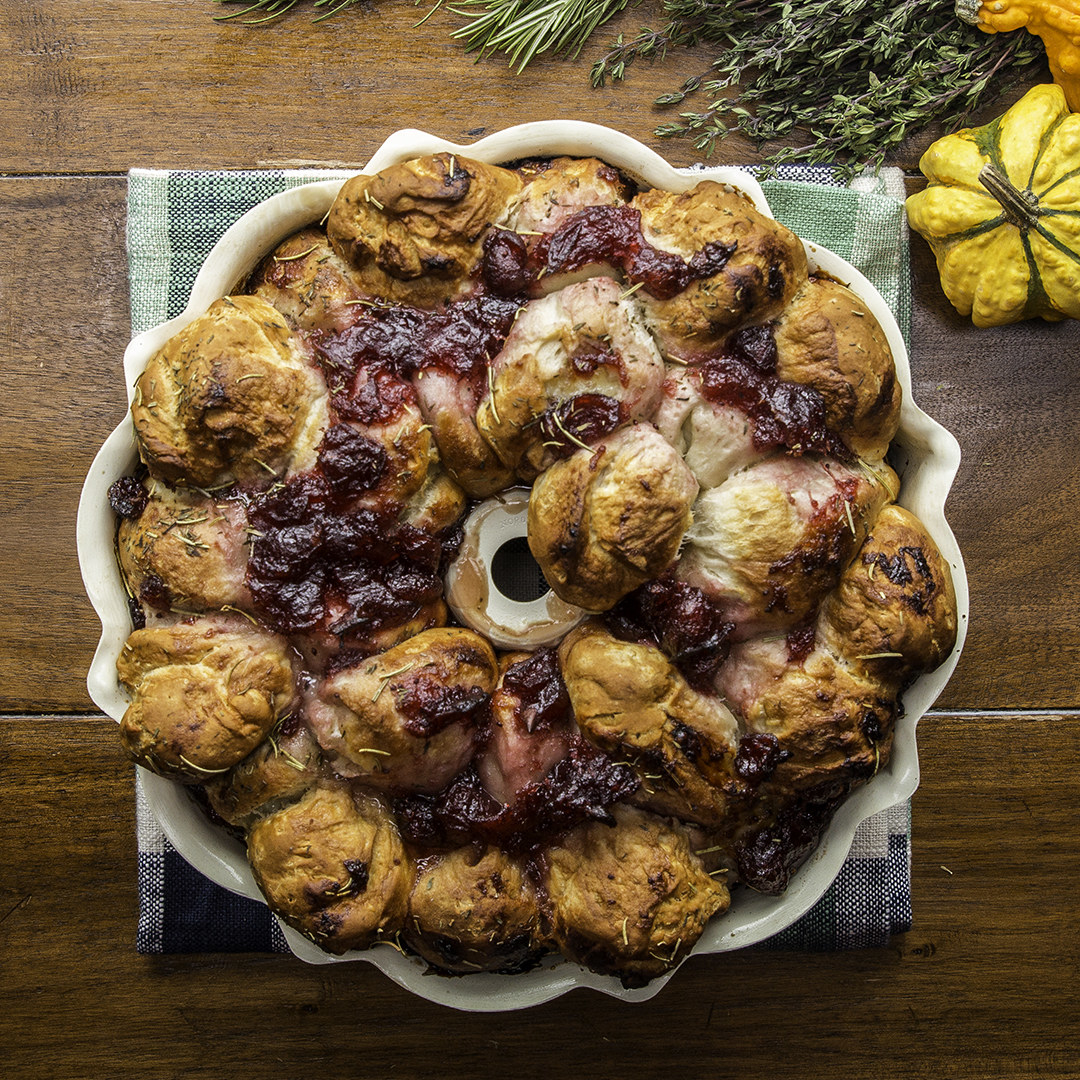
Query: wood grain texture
(64,321)
(978,989)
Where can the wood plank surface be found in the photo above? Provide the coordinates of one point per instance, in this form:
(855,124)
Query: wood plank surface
(979,988)
(984,984)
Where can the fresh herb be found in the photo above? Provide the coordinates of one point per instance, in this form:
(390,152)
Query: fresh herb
(262,11)
(525,28)
(858,76)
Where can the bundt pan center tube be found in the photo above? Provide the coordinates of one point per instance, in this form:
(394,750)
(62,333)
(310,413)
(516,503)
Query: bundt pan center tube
(606,431)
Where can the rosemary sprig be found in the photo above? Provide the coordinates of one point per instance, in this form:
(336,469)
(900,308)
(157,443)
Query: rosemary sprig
(269,10)
(858,76)
(525,28)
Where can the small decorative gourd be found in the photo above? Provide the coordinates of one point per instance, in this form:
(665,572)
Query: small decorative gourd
(1057,22)
(1002,212)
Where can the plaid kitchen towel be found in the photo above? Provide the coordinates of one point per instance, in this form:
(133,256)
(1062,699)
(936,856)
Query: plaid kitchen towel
(175,217)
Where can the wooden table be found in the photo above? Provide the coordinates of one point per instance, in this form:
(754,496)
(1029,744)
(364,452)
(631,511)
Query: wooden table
(984,985)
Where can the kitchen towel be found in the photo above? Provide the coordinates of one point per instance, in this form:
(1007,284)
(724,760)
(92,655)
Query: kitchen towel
(174,219)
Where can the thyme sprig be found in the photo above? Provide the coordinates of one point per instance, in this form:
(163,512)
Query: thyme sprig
(858,76)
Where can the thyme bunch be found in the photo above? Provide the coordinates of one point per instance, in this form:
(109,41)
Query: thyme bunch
(857,76)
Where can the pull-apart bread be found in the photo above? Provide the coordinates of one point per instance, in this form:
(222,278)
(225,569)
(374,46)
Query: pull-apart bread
(704,426)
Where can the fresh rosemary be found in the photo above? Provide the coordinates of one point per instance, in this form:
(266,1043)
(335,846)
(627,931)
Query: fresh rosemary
(858,76)
(262,11)
(525,28)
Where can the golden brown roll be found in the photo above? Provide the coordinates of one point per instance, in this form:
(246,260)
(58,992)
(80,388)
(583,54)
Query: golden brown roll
(306,280)
(332,865)
(630,701)
(414,232)
(827,338)
(629,900)
(767,265)
(587,340)
(406,719)
(278,771)
(474,909)
(606,520)
(186,552)
(769,543)
(556,190)
(204,694)
(895,607)
(229,397)
(833,720)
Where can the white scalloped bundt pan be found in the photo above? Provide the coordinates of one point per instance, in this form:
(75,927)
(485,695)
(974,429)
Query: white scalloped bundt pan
(924,453)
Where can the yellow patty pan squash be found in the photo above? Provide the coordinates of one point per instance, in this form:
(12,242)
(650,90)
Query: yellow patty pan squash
(1002,212)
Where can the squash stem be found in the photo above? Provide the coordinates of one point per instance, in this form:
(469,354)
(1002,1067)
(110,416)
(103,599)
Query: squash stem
(1021,207)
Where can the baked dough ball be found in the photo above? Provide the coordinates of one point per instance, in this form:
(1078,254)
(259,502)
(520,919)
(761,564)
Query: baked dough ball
(414,232)
(769,543)
(558,189)
(833,719)
(765,268)
(448,404)
(305,279)
(230,397)
(895,606)
(530,725)
(204,694)
(606,520)
(827,338)
(332,865)
(630,701)
(405,720)
(582,343)
(474,909)
(278,771)
(713,438)
(629,900)
(186,552)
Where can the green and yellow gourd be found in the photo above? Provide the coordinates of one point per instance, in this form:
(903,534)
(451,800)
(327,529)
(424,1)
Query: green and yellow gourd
(1002,212)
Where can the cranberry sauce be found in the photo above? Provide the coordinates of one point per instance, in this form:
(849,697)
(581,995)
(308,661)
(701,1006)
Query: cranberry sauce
(368,364)
(538,685)
(128,497)
(785,415)
(768,856)
(597,236)
(757,757)
(581,787)
(314,565)
(579,422)
(686,625)
(429,705)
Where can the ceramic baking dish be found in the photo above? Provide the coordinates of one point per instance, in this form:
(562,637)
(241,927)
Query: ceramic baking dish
(924,454)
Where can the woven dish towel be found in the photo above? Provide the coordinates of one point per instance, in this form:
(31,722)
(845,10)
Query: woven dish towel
(175,218)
